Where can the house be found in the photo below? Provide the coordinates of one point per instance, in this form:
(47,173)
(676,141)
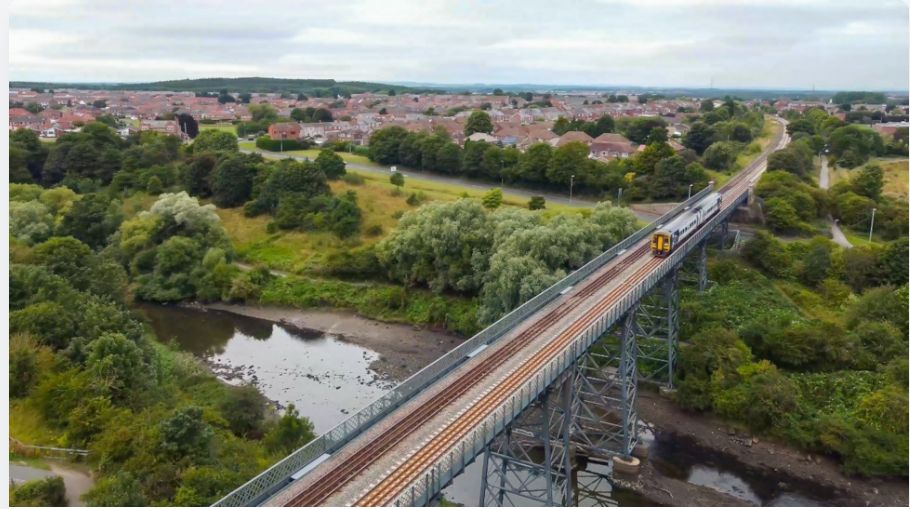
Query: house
(571,137)
(284,131)
(160,126)
(483,137)
(611,146)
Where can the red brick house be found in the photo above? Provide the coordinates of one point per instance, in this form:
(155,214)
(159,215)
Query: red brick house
(284,131)
(610,146)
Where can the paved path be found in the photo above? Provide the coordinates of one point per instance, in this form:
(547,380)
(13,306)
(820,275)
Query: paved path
(20,473)
(824,182)
(463,182)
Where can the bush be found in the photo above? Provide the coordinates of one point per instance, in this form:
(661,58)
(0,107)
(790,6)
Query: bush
(267,143)
(49,492)
(353,179)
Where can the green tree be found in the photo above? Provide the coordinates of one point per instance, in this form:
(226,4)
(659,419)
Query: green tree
(699,137)
(478,122)
(215,140)
(869,182)
(330,163)
(154,186)
(48,492)
(122,489)
(567,160)
(291,432)
(118,366)
(537,203)
(384,144)
(232,179)
(92,219)
(397,179)
(30,221)
(244,409)
(186,434)
(492,199)
(720,155)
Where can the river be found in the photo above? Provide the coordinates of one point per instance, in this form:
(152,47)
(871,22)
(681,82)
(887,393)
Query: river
(327,378)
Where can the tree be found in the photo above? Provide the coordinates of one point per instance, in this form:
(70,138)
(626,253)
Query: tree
(781,216)
(478,122)
(187,124)
(232,179)
(567,160)
(154,186)
(869,182)
(47,492)
(119,490)
(720,155)
(195,174)
(30,221)
(23,365)
(291,432)
(119,366)
(186,434)
(288,176)
(638,129)
(99,104)
(699,137)
(537,203)
(397,179)
(492,199)
(244,409)
(330,163)
(216,141)
(448,159)
(533,166)
(384,144)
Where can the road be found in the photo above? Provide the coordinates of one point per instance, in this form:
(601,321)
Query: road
(559,199)
(824,182)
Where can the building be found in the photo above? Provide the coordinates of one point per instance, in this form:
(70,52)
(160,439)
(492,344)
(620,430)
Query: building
(284,131)
(611,146)
(160,126)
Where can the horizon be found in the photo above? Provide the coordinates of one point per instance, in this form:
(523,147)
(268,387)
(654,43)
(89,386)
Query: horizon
(793,45)
(453,85)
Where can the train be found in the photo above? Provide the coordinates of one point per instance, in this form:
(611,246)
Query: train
(667,236)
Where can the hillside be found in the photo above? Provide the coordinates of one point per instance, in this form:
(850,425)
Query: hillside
(238,85)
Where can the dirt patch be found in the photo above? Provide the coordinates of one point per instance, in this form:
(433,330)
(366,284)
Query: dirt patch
(403,349)
(761,453)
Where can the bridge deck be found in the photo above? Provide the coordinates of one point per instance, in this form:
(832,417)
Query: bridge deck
(377,465)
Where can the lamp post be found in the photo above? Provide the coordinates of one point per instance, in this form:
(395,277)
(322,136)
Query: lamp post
(571,184)
(619,196)
(690,192)
(871,224)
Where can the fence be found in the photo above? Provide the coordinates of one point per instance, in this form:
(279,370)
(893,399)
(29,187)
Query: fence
(268,482)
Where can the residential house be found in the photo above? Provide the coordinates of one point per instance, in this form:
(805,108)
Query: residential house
(611,146)
(284,131)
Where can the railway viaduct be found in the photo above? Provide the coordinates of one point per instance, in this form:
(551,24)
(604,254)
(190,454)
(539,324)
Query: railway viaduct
(554,378)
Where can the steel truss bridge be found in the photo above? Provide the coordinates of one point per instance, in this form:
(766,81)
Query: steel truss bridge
(554,378)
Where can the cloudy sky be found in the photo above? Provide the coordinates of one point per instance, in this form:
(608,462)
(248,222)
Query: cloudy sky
(829,44)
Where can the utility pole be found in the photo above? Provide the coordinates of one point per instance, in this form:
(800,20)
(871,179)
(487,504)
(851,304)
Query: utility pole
(871,224)
(571,184)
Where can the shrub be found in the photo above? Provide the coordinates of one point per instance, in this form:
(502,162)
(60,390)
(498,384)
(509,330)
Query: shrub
(49,492)
(353,179)
(267,143)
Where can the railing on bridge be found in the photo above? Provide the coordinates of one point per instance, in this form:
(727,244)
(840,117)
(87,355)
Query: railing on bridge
(279,475)
(268,482)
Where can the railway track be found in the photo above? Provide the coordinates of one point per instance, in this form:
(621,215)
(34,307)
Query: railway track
(321,488)
(325,486)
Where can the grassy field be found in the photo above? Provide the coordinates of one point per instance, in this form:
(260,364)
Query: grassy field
(896,178)
(226,127)
(311,153)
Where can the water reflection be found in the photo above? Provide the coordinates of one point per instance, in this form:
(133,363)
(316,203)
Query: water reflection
(681,458)
(325,378)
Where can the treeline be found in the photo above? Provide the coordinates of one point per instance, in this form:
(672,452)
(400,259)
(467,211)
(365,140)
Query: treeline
(161,429)
(792,201)
(264,115)
(505,256)
(817,356)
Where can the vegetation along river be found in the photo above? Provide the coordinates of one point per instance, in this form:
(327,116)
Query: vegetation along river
(328,376)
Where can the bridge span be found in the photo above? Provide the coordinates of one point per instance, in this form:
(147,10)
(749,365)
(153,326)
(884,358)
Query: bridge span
(558,374)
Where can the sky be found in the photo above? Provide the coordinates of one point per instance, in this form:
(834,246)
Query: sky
(792,44)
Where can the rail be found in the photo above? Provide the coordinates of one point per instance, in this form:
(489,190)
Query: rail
(279,475)
(266,483)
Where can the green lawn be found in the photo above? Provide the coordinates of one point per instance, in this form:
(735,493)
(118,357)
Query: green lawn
(896,178)
(226,127)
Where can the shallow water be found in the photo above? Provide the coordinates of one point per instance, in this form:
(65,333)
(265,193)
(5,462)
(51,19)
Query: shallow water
(324,377)
(327,379)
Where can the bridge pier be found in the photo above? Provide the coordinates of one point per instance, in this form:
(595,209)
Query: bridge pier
(657,324)
(531,461)
(606,383)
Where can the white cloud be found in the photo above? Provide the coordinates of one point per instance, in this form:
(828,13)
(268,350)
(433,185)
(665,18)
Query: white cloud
(743,43)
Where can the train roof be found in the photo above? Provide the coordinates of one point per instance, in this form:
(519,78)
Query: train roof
(683,216)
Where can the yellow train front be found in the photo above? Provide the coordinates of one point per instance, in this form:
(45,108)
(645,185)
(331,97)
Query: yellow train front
(669,235)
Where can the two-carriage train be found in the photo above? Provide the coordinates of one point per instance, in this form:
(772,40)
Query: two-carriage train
(667,236)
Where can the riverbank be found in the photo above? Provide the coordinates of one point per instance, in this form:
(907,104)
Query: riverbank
(756,453)
(403,349)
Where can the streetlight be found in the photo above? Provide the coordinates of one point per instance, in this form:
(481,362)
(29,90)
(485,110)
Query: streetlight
(571,183)
(690,191)
(871,224)
(619,197)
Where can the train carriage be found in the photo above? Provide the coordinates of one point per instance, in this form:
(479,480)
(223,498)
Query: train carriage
(667,236)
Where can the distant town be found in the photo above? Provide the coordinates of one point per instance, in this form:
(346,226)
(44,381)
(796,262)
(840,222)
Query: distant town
(519,119)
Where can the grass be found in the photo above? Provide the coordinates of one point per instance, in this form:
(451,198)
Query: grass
(29,461)
(896,178)
(311,153)
(27,425)
(226,127)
